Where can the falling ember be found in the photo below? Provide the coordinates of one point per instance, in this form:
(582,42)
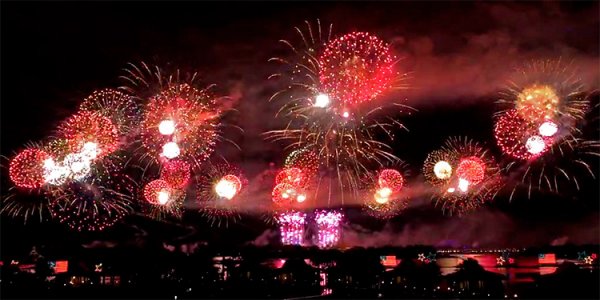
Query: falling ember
(291,227)
(26,170)
(228,186)
(535,145)
(328,228)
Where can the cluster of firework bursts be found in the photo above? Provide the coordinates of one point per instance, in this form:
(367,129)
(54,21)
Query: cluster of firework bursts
(159,124)
(464,175)
(386,195)
(338,125)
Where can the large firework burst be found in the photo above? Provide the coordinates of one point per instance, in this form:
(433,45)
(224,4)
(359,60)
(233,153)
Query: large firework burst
(342,132)
(93,204)
(218,191)
(90,127)
(540,127)
(119,107)
(470,178)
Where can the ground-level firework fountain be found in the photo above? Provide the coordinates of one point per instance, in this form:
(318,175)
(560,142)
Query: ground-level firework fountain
(328,228)
(291,227)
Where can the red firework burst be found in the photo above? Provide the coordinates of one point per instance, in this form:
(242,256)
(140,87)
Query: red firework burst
(26,170)
(305,160)
(91,127)
(471,169)
(176,173)
(184,115)
(157,192)
(512,133)
(392,179)
(291,176)
(356,68)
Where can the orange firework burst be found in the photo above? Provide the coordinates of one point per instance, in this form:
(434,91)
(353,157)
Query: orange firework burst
(90,127)
(385,195)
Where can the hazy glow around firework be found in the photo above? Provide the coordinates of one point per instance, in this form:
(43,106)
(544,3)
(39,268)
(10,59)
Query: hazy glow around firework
(228,186)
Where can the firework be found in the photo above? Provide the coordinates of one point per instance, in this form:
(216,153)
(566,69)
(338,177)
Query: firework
(321,120)
(518,137)
(328,228)
(437,167)
(157,192)
(94,204)
(90,127)
(26,169)
(471,169)
(291,176)
(384,196)
(218,192)
(176,173)
(180,121)
(118,107)
(475,180)
(391,179)
(284,194)
(305,160)
(291,227)
(356,68)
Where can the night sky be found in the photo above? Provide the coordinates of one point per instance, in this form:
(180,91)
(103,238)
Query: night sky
(458,55)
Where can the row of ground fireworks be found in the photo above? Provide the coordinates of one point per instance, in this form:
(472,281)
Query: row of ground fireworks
(162,129)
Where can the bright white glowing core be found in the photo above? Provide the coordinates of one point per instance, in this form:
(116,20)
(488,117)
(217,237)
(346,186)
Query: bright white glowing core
(226,189)
(90,150)
(346,114)
(79,166)
(451,190)
(301,198)
(548,128)
(322,101)
(535,144)
(166,127)
(442,170)
(163,197)
(171,150)
(382,195)
(463,185)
